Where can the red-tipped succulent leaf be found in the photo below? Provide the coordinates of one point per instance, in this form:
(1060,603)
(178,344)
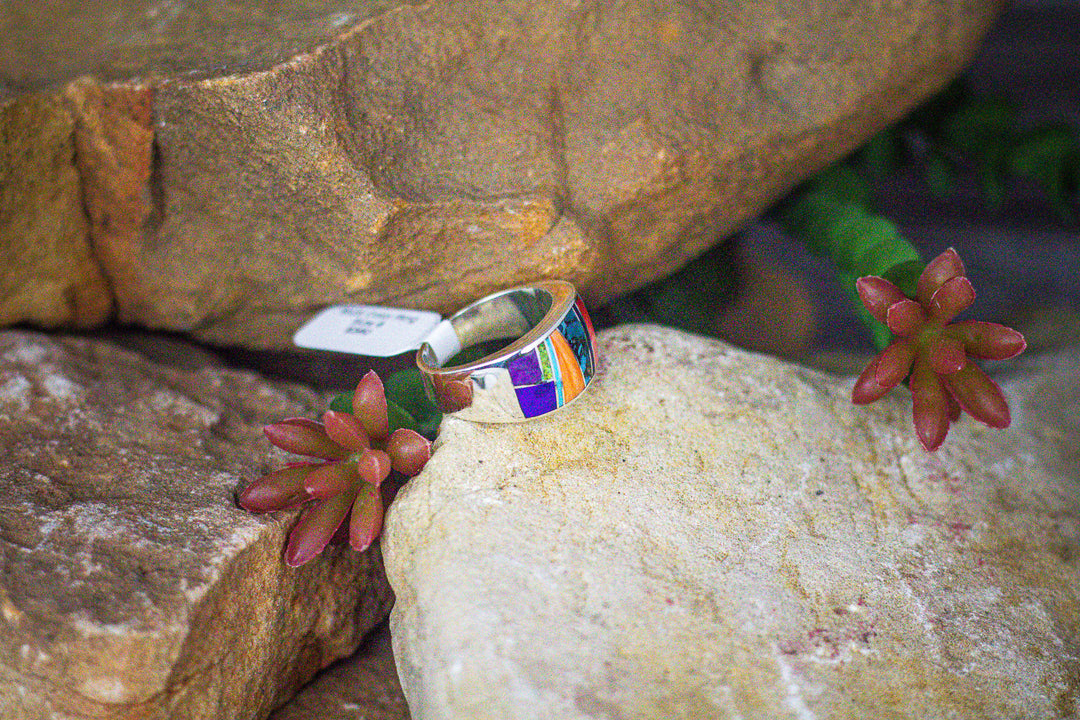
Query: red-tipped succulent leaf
(367,518)
(938,271)
(275,491)
(951,299)
(878,295)
(369,405)
(330,479)
(346,430)
(315,528)
(979,396)
(301,436)
(929,407)
(987,340)
(409,451)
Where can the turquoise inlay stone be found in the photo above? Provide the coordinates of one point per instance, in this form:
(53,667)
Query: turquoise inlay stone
(577,336)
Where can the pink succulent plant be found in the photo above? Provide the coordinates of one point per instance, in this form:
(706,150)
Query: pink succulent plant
(355,453)
(936,353)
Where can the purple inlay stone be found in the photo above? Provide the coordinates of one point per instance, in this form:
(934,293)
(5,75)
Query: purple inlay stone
(525,370)
(537,399)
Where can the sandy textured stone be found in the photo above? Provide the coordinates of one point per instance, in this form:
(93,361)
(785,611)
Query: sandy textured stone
(49,275)
(362,687)
(131,585)
(709,533)
(424,154)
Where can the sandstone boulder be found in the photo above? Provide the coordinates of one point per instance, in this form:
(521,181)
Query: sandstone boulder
(423,154)
(362,687)
(709,533)
(131,585)
(49,275)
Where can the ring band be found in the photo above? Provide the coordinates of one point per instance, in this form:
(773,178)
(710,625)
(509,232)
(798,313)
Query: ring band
(549,358)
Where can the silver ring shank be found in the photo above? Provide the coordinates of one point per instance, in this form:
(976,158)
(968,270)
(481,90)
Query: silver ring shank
(548,362)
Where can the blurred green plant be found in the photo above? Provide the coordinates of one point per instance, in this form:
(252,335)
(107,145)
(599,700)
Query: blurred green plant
(689,300)
(956,131)
(962,131)
(832,215)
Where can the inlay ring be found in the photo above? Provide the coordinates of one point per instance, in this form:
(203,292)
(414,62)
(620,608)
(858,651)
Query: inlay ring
(548,360)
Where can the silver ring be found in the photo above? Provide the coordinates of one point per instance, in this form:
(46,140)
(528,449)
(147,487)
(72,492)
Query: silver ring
(549,358)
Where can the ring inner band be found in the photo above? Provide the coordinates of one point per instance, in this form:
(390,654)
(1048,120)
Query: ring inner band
(522,314)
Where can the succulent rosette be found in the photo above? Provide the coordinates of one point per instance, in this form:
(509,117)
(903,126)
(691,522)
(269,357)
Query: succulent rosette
(353,454)
(934,353)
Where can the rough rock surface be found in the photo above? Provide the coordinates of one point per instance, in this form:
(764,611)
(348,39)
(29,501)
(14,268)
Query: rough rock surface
(362,687)
(708,533)
(131,586)
(49,275)
(429,153)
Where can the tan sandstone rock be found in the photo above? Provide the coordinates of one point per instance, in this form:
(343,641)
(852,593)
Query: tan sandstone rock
(423,154)
(131,585)
(362,687)
(708,533)
(49,275)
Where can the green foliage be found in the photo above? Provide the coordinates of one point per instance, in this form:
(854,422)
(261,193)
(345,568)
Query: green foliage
(960,131)
(1051,157)
(832,215)
(940,175)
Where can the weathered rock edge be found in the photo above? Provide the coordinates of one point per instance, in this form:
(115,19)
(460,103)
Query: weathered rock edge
(436,152)
(131,585)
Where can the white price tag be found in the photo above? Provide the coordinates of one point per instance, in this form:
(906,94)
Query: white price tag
(367,330)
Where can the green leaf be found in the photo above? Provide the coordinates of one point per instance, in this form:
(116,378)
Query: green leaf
(1042,151)
(881,258)
(973,125)
(1043,155)
(400,417)
(939,176)
(880,157)
(906,275)
(342,403)
(427,424)
(841,183)
(854,235)
(406,388)
(880,334)
(405,395)
(811,216)
(993,187)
